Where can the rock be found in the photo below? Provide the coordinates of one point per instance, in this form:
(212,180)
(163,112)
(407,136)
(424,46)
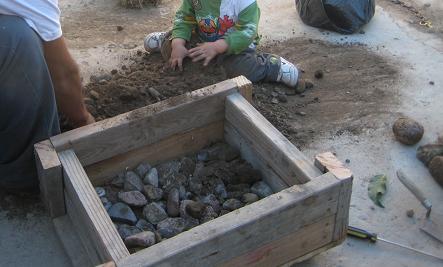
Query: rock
(274,100)
(220,189)
(174,180)
(173,204)
(132,182)
(235,194)
(407,131)
(154,93)
(166,169)
(142,169)
(244,188)
(249,198)
(427,152)
(436,169)
(195,185)
(232,204)
(133,198)
(431,82)
(190,222)
(208,214)
(211,200)
(100,191)
(223,212)
(94,95)
(282,98)
(120,212)
(162,204)
(171,227)
(114,71)
(152,193)
(195,209)
(144,225)
(410,213)
(106,203)
(151,177)
(187,166)
(158,237)
(119,180)
(119,28)
(143,239)
(182,192)
(318,74)
(125,230)
(261,189)
(154,213)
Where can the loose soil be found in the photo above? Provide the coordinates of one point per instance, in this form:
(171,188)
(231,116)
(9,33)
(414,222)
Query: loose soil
(353,94)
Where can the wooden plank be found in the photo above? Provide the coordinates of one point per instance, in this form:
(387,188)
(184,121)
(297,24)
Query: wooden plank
(147,125)
(309,255)
(342,216)
(277,151)
(89,211)
(245,87)
(71,242)
(50,176)
(241,231)
(234,138)
(328,162)
(170,148)
(293,245)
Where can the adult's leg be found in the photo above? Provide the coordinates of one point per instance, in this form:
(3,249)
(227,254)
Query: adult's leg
(254,66)
(28,112)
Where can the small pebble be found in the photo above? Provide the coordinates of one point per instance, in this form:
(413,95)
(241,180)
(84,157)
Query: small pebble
(106,203)
(282,98)
(152,193)
(274,100)
(142,169)
(318,74)
(132,182)
(120,212)
(119,28)
(261,189)
(232,204)
(431,83)
(410,213)
(143,239)
(133,198)
(151,177)
(125,230)
(249,198)
(144,225)
(100,191)
(348,161)
(154,213)
(195,209)
(119,180)
(208,214)
(171,227)
(114,71)
(223,212)
(212,201)
(94,95)
(173,204)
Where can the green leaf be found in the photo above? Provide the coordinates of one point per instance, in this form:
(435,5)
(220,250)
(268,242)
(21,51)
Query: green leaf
(377,189)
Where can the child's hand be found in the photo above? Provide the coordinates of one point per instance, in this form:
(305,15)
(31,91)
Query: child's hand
(208,51)
(178,53)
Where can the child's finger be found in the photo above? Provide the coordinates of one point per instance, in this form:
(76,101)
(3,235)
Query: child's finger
(200,57)
(180,64)
(196,53)
(173,64)
(207,60)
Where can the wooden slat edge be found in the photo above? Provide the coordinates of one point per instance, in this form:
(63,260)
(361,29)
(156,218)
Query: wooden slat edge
(245,87)
(284,158)
(343,205)
(175,146)
(90,209)
(241,231)
(328,162)
(50,177)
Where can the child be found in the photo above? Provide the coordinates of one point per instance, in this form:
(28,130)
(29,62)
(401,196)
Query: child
(227,31)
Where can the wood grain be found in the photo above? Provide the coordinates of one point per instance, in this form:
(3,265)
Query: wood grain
(276,150)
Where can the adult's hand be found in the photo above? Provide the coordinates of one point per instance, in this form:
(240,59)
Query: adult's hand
(67,84)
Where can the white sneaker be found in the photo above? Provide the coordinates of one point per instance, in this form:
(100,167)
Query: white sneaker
(288,73)
(153,41)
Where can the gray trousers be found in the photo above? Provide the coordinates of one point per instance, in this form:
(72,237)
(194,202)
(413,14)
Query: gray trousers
(28,112)
(255,66)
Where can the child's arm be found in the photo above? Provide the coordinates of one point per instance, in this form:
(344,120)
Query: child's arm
(184,21)
(245,30)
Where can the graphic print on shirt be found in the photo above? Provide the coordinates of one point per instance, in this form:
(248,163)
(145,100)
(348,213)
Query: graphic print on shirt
(213,29)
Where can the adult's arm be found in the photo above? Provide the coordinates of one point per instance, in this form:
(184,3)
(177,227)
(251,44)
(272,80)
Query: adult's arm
(65,76)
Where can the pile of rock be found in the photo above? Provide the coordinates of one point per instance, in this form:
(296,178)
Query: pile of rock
(150,204)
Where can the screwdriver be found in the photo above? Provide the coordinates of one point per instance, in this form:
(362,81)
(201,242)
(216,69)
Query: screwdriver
(372,237)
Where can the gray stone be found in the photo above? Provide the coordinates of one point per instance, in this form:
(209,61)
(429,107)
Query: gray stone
(232,204)
(158,237)
(106,203)
(220,190)
(125,230)
(171,227)
(223,212)
(173,204)
(154,213)
(190,222)
(195,209)
(174,180)
(212,201)
(100,191)
(162,204)
(133,198)
(245,188)
(182,192)
(208,214)
(235,194)
(132,182)
(152,193)
(142,169)
(195,185)
(166,169)
(143,239)
(187,166)
(119,180)
(120,212)
(249,198)
(144,225)
(261,189)
(151,177)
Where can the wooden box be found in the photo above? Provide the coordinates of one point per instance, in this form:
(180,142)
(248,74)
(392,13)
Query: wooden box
(307,215)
